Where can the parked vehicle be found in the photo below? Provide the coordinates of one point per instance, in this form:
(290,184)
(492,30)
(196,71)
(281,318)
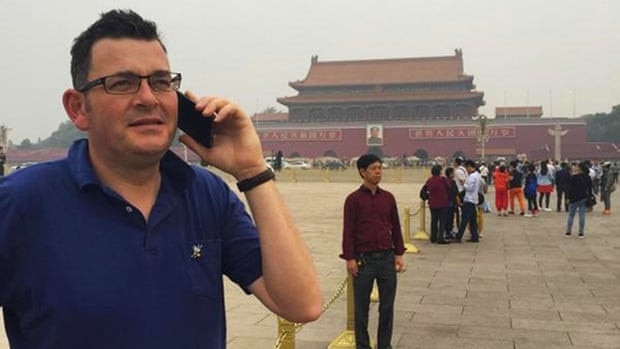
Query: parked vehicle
(297,163)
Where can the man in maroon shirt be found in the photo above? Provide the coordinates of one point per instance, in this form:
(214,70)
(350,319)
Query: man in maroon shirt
(372,245)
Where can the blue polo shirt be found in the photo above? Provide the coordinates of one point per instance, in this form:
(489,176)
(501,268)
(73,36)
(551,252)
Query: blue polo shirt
(81,268)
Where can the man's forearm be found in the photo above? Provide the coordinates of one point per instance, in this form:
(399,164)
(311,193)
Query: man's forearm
(288,269)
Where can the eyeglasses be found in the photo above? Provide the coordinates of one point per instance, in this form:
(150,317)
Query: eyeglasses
(127,83)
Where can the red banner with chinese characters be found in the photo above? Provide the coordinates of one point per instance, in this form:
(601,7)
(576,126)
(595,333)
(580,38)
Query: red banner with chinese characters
(460,132)
(320,135)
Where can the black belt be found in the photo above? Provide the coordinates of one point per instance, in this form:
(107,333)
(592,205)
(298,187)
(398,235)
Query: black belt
(376,254)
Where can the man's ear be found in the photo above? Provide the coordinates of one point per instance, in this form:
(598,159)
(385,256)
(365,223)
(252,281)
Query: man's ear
(74,103)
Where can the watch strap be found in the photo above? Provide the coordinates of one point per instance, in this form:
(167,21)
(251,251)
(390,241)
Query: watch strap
(253,182)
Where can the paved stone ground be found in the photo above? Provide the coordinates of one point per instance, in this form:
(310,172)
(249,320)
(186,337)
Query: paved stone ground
(523,286)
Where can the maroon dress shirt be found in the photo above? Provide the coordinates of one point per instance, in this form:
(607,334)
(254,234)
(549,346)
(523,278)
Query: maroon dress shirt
(371,223)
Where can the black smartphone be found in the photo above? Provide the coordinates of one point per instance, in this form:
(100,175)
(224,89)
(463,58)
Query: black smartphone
(192,122)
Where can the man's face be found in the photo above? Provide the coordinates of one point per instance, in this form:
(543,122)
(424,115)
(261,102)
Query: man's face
(135,125)
(374,132)
(372,174)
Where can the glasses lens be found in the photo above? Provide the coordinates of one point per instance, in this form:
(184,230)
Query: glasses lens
(120,84)
(164,82)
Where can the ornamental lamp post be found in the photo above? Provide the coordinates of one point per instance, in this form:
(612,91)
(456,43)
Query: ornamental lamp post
(482,134)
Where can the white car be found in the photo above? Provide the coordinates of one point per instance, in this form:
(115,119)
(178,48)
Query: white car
(295,163)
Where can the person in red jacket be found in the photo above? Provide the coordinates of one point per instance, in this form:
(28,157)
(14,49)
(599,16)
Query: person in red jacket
(438,187)
(501,178)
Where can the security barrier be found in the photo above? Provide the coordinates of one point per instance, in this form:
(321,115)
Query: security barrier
(287,329)
(421,233)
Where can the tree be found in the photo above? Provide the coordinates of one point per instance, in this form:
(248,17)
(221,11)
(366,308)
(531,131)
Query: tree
(270,110)
(25,144)
(604,127)
(62,137)
(421,154)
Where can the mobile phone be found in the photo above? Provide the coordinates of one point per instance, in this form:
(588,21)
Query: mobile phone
(193,123)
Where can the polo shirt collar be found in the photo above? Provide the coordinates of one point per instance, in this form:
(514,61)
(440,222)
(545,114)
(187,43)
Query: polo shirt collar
(364,189)
(82,171)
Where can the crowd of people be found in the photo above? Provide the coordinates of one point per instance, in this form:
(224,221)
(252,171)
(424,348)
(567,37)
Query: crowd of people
(456,193)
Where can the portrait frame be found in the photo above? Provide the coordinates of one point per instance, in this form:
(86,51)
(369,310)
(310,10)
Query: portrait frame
(374,135)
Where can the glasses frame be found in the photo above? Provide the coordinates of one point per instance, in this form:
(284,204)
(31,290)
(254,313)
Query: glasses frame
(175,82)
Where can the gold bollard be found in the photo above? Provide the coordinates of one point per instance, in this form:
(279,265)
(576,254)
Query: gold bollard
(346,340)
(411,248)
(326,175)
(286,329)
(294,176)
(374,294)
(421,234)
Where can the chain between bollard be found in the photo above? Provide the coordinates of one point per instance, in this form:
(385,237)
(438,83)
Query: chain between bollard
(298,326)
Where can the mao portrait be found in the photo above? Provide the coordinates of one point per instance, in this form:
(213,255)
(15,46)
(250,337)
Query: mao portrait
(374,135)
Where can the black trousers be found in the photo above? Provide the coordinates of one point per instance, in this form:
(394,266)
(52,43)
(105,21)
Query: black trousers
(375,266)
(438,223)
(562,193)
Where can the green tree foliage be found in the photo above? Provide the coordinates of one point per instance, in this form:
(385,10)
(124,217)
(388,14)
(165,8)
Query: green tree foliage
(62,137)
(421,154)
(604,127)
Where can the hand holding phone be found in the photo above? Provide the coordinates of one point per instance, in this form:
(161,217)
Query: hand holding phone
(193,123)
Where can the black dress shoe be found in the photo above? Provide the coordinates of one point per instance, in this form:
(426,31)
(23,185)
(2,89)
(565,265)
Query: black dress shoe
(443,242)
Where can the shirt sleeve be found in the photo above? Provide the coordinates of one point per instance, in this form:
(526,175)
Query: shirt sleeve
(348,229)
(397,234)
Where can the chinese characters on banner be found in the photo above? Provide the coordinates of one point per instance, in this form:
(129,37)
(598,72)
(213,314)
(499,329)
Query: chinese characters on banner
(319,135)
(460,132)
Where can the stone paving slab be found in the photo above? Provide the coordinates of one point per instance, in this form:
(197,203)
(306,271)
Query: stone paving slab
(524,286)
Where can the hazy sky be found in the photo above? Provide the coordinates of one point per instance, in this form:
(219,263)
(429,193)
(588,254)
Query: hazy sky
(561,54)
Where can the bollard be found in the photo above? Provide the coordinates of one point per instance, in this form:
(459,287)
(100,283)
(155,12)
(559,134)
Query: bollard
(294,176)
(374,294)
(411,248)
(421,233)
(326,175)
(286,330)
(346,340)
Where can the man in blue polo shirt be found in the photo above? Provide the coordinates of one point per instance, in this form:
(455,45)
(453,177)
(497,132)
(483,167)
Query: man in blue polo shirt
(123,245)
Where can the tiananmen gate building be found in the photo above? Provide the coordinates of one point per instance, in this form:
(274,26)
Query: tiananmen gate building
(407,106)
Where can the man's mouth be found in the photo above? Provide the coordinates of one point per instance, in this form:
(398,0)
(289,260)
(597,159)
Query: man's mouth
(146,122)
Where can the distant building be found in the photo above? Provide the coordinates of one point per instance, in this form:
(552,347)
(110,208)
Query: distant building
(423,105)
(407,89)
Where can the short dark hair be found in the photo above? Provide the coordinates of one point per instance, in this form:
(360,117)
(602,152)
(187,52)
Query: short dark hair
(436,170)
(365,160)
(114,24)
(583,166)
(470,163)
(449,171)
